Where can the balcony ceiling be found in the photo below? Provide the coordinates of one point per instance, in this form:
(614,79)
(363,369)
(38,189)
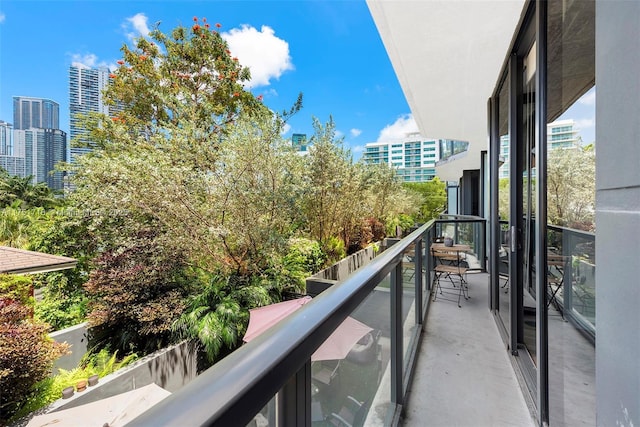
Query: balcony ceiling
(447,56)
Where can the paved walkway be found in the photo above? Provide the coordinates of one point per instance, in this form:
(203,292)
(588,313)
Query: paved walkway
(463,374)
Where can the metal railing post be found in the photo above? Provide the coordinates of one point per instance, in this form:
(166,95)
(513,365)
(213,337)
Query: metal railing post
(396,334)
(418,279)
(568,246)
(294,400)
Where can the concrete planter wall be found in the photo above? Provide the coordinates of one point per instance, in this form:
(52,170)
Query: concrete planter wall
(76,336)
(171,368)
(339,271)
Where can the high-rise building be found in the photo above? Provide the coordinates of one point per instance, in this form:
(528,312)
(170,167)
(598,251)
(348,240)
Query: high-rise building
(561,134)
(299,142)
(29,112)
(41,150)
(9,161)
(414,157)
(6,139)
(85,96)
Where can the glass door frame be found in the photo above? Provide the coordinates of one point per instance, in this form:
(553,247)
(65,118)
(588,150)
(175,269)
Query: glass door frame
(531,29)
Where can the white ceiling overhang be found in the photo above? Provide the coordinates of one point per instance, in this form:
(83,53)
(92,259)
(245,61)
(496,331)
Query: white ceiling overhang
(447,55)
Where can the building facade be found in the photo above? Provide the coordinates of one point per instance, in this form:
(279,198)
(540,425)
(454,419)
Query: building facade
(561,134)
(85,96)
(40,150)
(518,67)
(31,112)
(299,142)
(9,161)
(413,157)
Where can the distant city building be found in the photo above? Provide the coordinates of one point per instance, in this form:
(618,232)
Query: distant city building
(31,112)
(85,96)
(41,150)
(414,157)
(299,142)
(561,134)
(6,139)
(9,161)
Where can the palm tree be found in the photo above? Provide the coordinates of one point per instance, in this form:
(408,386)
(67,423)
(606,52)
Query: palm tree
(21,190)
(217,317)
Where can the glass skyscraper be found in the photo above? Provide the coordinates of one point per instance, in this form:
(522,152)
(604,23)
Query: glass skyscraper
(31,112)
(85,96)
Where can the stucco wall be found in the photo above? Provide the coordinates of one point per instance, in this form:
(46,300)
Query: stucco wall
(76,336)
(618,212)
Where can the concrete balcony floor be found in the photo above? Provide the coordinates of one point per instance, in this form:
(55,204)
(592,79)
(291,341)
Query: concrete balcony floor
(463,375)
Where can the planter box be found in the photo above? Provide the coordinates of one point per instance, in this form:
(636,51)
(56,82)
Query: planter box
(339,271)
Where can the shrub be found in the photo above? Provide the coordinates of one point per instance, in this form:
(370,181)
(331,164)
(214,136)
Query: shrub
(334,248)
(26,357)
(217,317)
(136,293)
(15,288)
(306,253)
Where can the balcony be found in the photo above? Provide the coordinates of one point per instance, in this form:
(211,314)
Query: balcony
(428,361)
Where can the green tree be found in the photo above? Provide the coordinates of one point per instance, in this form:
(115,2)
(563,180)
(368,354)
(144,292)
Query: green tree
(433,198)
(333,199)
(20,192)
(571,187)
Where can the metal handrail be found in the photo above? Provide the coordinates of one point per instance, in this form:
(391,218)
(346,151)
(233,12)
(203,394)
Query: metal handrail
(235,389)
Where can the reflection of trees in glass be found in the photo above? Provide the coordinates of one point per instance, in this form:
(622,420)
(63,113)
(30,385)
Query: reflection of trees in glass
(571,187)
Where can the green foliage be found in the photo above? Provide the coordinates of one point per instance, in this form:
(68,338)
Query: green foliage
(26,356)
(571,187)
(21,192)
(14,288)
(405,222)
(19,226)
(217,317)
(136,293)
(50,389)
(61,311)
(335,250)
(305,253)
(64,300)
(433,198)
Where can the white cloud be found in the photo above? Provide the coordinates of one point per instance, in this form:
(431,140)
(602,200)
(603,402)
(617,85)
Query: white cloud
(90,60)
(339,134)
(285,129)
(357,149)
(270,93)
(2,17)
(585,123)
(355,132)
(138,23)
(266,55)
(399,129)
(588,98)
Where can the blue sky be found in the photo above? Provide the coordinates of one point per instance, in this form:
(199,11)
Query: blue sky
(328,50)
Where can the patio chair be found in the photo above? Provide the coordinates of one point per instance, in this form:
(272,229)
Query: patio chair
(443,269)
(324,372)
(352,413)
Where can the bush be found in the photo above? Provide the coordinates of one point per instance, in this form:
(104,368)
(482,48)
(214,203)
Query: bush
(335,250)
(307,254)
(18,289)
(136,292)
(26,357)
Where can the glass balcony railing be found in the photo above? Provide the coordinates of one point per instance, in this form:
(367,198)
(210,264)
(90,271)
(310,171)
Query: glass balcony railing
(366,387)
